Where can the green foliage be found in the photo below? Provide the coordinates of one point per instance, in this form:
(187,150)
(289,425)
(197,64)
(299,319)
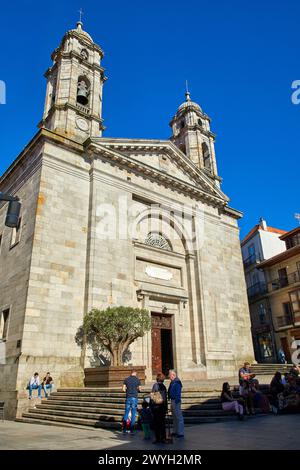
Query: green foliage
(115,328)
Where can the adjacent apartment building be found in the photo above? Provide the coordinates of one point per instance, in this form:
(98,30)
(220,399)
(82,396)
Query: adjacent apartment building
(261,243)
(272,270)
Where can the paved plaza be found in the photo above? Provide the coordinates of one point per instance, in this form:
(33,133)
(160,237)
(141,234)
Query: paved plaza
(270,432)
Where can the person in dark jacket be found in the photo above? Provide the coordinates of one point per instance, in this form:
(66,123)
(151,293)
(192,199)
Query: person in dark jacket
(174,394)
(146,418)
(159,410)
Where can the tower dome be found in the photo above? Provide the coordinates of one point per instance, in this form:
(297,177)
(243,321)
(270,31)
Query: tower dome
(80,31)
(188,103)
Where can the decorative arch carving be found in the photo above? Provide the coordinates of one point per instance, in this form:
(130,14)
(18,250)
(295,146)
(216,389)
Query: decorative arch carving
(157,240)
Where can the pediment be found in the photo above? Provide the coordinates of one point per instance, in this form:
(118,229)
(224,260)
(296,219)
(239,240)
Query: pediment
(161,158)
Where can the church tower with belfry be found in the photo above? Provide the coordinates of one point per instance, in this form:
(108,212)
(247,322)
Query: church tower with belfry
(192,135)
(73,105)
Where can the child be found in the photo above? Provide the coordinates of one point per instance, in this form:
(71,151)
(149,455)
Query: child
(146,419)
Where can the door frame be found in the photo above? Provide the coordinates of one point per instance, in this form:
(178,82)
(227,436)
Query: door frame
(172,318)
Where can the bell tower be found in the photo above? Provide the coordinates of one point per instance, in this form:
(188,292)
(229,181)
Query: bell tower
(73,105)
(192,135)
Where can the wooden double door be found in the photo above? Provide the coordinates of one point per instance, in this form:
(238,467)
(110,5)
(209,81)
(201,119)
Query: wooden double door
(162,343)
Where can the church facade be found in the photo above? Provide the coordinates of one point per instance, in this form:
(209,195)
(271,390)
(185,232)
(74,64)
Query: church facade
(113,221)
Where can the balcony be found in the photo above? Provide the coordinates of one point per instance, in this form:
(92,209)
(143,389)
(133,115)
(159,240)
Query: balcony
(251,260)
(285,320)
(83,109)
(285,281)
(260,288)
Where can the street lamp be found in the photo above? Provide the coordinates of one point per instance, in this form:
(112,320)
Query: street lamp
(13,211)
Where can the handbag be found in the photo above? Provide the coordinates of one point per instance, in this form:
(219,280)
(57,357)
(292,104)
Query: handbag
(157,398)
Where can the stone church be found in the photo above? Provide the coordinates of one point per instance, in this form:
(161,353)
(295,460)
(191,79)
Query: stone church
(117,221)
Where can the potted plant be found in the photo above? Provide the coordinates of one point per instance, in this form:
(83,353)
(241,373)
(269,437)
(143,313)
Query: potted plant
(113,330)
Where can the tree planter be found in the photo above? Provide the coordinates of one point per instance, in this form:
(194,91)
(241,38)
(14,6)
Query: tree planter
(112,376)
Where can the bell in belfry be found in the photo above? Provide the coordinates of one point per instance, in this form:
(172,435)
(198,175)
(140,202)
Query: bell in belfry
(82,93)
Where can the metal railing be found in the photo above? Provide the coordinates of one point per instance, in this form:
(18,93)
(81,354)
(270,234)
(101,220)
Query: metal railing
(259,288)
(285,281)
(252,259)
(285,320)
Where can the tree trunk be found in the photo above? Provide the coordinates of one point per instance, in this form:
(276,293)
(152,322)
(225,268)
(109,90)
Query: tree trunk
(114,356)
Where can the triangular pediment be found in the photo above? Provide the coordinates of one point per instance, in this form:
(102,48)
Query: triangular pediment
(161,158)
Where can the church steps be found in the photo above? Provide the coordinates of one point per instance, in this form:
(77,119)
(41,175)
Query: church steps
(104,408)
(97,399)
(100,404)
(187,410)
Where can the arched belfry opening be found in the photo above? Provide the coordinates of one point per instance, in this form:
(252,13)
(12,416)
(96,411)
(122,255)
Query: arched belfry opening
(83,90)
(206,157)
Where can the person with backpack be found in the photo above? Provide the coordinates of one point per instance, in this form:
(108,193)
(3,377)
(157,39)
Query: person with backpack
(159,407)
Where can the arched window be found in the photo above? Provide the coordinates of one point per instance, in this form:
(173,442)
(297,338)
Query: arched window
(200,123)
(84,54)
(83,90)
(157,240)
(206,157)
(182,124)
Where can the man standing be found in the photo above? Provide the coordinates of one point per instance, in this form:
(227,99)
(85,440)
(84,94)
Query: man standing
(174,394)
(132,387)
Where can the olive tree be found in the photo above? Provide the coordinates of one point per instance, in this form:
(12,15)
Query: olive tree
(114,329)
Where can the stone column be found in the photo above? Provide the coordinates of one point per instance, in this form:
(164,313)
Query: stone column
(193,308)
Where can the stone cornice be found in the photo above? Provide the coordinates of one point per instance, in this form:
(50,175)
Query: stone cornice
(196,127)
(75,108)
(71,54)
(99,148)
(163,146)
(40,137)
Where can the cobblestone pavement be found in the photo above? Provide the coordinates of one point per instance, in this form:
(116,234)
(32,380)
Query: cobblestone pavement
(270,432)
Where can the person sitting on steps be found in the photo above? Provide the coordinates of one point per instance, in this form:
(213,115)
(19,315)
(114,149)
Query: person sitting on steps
(229,403)
(34,384)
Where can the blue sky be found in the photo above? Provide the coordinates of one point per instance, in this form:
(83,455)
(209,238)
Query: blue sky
(240,58)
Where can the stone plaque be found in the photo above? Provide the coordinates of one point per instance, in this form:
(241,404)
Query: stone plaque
(158,273)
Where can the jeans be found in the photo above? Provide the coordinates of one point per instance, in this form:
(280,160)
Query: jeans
(35,387)
(47,387)
(178,423)
(130,405)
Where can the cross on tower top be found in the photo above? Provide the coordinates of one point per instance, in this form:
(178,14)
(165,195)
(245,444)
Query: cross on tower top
(187,93)
(80,15)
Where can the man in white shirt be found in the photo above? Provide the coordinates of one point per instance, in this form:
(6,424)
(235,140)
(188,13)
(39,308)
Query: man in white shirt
(34,384)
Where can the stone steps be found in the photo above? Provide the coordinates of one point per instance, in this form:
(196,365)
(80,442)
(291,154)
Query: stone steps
(270,369)
(211,404)
(96,408)
(113,413)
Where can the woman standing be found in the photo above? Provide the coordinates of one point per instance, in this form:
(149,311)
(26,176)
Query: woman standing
(159,406)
